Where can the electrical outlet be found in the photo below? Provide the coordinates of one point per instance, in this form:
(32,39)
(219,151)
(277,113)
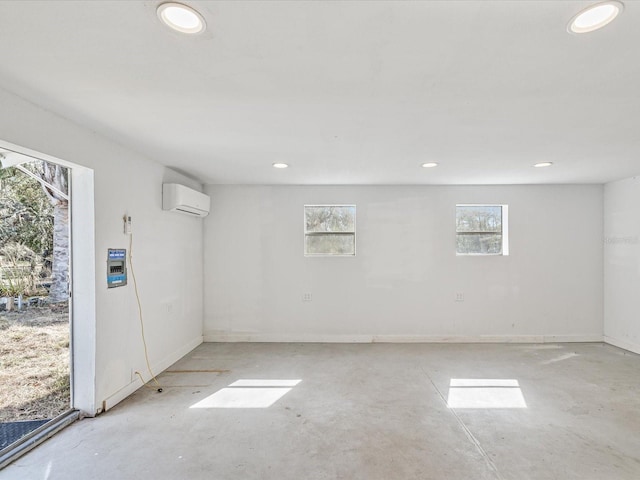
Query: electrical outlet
(127,224)
(459,297)
(307,297)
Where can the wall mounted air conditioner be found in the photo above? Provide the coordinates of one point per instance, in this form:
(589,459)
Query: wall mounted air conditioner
(181,199)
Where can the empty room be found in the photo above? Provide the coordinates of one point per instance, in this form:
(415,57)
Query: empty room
(320,240)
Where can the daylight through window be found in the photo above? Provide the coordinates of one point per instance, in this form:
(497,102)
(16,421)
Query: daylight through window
(329,230)
(481,230)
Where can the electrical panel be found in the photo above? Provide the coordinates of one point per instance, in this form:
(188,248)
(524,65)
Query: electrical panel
(116,267)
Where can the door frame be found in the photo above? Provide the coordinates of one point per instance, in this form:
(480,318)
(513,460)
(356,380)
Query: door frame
(82,279)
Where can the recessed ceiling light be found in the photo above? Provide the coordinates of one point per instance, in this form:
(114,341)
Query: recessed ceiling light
(543,164)
(595,17)
(280,165)
(429,165)
(181,18)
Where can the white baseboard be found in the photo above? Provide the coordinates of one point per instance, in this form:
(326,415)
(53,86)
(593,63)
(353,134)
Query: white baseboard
(586,338)
(632,347)
(356,338)
(158,368)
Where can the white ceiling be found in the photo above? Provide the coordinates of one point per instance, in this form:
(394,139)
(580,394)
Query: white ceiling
(348,92)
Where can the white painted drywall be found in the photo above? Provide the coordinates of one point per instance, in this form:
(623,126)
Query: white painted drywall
(622,264)
(402,284)
(167,250)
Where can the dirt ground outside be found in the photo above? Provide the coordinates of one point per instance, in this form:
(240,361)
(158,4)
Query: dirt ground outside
(34,363)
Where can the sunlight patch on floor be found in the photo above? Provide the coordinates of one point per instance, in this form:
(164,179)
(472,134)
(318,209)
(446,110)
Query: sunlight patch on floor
(248,393)
(485,393)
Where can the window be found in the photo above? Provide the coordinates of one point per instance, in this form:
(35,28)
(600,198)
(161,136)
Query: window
(481,230)
(329,230)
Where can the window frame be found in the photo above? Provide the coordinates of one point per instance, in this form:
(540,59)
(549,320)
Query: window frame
(504,229)
(318,234)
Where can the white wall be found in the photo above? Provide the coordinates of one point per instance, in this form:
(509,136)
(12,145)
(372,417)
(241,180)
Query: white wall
(401,286)
(622,264)
(167,250)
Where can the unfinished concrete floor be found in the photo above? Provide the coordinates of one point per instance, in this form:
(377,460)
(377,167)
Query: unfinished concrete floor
(567,411)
